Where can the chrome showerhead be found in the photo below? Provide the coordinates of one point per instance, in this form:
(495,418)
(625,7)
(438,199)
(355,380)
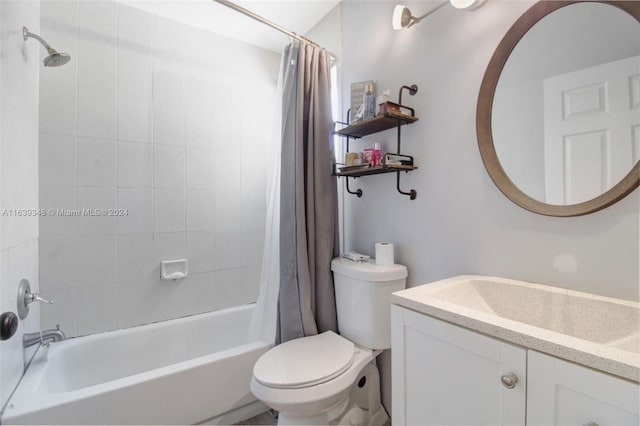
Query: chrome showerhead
(55,58)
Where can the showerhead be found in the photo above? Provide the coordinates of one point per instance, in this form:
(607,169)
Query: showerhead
(55,58)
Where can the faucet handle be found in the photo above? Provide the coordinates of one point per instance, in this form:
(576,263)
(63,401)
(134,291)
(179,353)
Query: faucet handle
(35,297)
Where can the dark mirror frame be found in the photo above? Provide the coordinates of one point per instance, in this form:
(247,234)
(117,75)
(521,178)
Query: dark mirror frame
(484,111)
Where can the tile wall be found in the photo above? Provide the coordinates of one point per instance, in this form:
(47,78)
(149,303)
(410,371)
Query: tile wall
(19,67)
(166,122)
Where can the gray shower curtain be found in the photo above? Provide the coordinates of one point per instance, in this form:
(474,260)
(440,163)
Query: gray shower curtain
(308,196)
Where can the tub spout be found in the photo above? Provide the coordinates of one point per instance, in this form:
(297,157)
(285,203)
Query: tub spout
(52,335)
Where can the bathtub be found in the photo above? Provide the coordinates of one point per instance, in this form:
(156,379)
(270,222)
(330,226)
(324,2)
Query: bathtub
(185,371)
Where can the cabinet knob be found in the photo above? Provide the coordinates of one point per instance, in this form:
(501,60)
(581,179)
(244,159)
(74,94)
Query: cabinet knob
(509,381)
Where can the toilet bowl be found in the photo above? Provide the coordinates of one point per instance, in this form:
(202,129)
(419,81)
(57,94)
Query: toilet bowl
(330,378)
(313,391)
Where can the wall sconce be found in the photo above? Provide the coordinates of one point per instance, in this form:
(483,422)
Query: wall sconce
(402,17)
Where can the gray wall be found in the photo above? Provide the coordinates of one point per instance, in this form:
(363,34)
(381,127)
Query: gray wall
(461,223)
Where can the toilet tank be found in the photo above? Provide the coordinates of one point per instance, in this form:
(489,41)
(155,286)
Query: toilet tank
(363,300)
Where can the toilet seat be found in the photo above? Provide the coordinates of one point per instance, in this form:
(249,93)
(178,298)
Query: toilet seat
(305,362)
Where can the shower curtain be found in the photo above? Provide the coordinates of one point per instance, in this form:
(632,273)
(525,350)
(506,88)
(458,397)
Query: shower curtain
(296,296)
(308,196)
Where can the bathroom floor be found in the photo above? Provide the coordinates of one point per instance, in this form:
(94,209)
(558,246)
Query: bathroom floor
(261,419)
(268,419)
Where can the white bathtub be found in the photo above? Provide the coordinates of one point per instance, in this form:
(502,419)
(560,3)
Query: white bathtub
(185,371)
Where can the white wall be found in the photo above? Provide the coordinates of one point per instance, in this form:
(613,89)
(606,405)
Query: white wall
(168,122)
(19,68)
(460,222)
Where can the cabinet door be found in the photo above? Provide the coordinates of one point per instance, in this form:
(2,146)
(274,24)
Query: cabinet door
(443,374)
(563,393)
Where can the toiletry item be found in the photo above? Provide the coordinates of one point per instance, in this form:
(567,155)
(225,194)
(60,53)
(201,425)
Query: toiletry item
(355,256)
(376,155)
(384,254)
(386,95)
(368,102)
(352,159)
(367,156)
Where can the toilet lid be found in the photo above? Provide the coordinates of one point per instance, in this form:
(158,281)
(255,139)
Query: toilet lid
(305,362)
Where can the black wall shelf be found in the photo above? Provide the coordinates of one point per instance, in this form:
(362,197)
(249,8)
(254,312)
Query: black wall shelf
(391,116)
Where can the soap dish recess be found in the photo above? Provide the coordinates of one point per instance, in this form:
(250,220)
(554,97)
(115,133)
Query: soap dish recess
(174,269)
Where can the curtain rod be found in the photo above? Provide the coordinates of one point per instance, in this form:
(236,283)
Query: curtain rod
(259,18)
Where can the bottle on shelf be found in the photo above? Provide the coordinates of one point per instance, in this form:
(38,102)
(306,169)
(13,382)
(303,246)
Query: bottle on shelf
(368,102)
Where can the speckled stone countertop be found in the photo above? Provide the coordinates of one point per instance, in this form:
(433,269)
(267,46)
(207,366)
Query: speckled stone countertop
(595,331)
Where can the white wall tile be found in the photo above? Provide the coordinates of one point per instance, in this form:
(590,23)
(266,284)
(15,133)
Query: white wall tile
(135,121)
(199,169)
(97,308)
(58,109)
(202,284)
(168,122)
(229,249)
(252,246)
(169,246)
(151,119)
(58,197)
(58,263)
(168,166)
(135,165)
(135,257)
(228,209)
(201,251)
(95,198)
(139,206)
(225,169)
(199,113)
(96,162)
(134,69)
(96,113)
(168,82)
(98,17)
(63,312)
(234,287)
(135,29)
(253,172)
(169,210)
(96,260)
(97,61)
(254,209)
(168,37)
(200,210)
(144,301)
(57,159)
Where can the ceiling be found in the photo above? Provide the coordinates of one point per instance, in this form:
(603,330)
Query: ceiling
(298,16)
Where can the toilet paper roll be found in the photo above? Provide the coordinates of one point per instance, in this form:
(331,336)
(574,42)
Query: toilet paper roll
(384,254)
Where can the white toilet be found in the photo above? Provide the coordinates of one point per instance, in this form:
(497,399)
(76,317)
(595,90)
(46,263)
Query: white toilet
(332,379)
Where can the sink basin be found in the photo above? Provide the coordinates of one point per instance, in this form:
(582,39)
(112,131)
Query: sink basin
(595,331)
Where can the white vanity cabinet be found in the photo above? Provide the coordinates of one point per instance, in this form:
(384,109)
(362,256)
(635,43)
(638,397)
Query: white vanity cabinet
(446,374)
(563,393)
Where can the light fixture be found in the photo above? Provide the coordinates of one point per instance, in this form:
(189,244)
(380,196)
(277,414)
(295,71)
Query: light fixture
(402,17)
(467,4)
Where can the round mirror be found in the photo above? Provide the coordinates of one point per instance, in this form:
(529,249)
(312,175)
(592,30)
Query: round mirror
(558,116)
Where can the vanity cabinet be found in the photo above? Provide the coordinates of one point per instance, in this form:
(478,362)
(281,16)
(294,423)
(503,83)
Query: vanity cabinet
(563,393)
(446,374)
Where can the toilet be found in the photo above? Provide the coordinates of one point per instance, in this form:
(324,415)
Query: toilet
(332,379)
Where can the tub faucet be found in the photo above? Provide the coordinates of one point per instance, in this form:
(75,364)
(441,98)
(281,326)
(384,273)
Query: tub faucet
(52,335)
